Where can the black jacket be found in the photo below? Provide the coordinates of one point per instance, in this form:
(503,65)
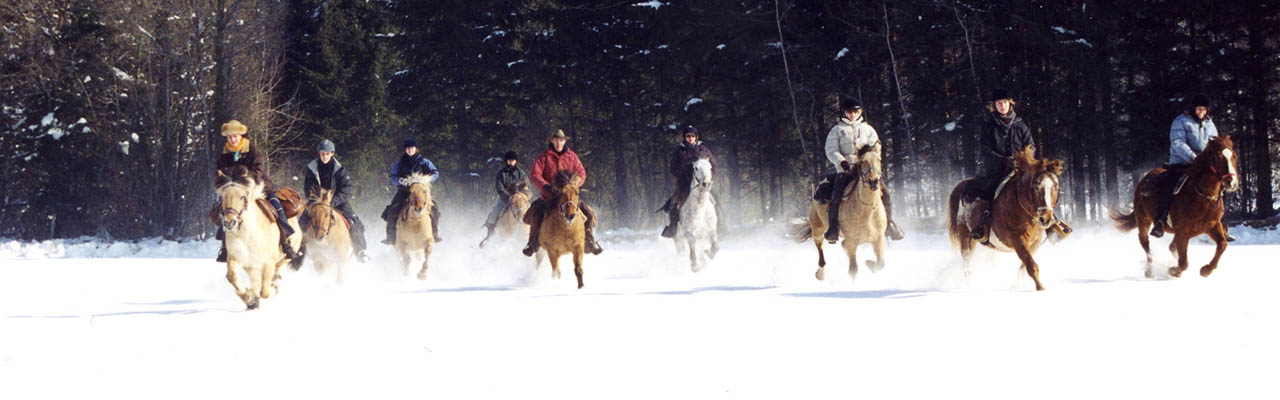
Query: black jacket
(507,180)
(341,183)
(1000,140)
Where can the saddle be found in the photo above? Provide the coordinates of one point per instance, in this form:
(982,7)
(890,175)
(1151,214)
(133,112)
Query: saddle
(290,201)
(822,194)
(1152,187)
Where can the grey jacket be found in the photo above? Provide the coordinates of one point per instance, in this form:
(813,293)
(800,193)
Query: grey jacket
(846,137)
(1187,138)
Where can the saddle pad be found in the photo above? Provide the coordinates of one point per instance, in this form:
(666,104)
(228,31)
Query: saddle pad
(267,209)
(291,201)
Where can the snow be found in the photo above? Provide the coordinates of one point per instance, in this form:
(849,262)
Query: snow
(157,318)
(691,102)
(47,120)
(950,126)
(122,76)
(842,53)
(720,46)
(124,147)
(57,133)
(82,121)
(655,4)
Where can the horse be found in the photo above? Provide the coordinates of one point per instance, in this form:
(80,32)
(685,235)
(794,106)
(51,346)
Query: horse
(328,236)
(1020,213)
(252,237)
(697,226)
(1193,212)
(862,217)
(563,230)
(509,224)
(413,225)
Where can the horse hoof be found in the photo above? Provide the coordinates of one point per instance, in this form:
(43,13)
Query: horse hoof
(422,276)
(874,266)
(1206,270)
(820,274)
(1174,272)
(555,274)
(252,305)
(853,273)
(1149,273)
(1039,288)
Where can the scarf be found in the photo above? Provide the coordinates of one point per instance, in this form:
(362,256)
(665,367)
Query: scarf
(236,151)
(1004,120)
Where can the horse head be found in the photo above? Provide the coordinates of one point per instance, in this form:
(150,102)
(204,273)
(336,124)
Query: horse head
(320,210)
(567,196)
(237,188)
(419,192)
(701,174)
(1220,155)
(869,166)
(1037,184)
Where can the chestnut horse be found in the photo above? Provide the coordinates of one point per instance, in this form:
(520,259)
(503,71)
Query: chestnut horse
(563,229)
(1196,209)
(862,217)
(1020,212)
(328,236)
(252,237)
(413,225)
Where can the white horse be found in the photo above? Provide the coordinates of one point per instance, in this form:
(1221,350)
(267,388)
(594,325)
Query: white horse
(252,239)
(696,231)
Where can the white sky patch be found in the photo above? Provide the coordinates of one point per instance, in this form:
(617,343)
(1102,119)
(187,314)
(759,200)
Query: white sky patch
(842,53)
(692,101)
(720,47)
(655,4)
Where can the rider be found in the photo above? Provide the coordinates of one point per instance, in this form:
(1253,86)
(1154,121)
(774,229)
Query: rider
(843,141)
(1003,135)
(239,150)
(325,172)
(1188,136)
(506,182)
(681,165)
(558,157)
(409,163)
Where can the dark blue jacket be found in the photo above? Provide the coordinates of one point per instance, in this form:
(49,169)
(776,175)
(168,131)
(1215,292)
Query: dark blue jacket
(406,165)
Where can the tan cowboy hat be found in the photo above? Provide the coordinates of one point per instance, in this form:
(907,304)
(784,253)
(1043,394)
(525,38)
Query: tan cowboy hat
(560,134)
(233,127)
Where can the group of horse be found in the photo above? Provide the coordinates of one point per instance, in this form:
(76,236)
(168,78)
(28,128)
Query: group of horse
(1021,211)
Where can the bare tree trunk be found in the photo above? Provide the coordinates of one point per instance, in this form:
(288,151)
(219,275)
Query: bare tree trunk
(786,66)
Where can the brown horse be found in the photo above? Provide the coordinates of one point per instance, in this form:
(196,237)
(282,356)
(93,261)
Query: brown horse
(328,238)
(563,229)
(862,217)
(1020,213)
(1196,209)
(509,223)
(413,225)
(252,238)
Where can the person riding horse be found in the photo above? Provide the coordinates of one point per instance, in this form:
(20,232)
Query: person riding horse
(681,166)
(1188,135)
(325,172)
(843,141)
(558,157)
(409,163)
(505,183)
(239,150)
(1003,136)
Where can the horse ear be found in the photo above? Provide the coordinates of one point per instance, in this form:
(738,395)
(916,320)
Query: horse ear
(1055,167)
(220,174)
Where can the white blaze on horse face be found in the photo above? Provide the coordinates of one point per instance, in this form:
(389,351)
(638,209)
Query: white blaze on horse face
(1047,185)
(1231,169)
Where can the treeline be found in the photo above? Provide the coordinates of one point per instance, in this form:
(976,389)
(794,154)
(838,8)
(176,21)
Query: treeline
(110,109)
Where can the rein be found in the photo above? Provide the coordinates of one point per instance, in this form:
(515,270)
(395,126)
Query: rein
(1018,196)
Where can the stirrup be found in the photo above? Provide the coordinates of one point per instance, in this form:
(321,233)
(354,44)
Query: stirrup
(1157,230)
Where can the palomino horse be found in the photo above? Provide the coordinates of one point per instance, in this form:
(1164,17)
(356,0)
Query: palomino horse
(697,226)
(509,224)
(1196,209)
(1020,213)
(563,230)
(252,237)
(862,218)
(413,224)
(328,238)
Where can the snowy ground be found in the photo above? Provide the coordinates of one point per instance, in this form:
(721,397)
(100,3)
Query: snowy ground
(158,320)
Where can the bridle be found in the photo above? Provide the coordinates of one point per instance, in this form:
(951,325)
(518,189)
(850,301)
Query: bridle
(329,227)
(1221,178)
(1046,207)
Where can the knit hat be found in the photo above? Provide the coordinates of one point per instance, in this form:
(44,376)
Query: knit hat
(689,129)
(510,155)
(233,127)
(410,142)
(559,134)
(848,105)
(1000,94)
(326,146)
(1201,100)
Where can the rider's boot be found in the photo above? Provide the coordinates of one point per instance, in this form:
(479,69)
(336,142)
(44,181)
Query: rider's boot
(435,223)
(673,217)
(222,252)
(357,238)
(980,230)
(833,222)
(488,232)
(589,243)
(891,228)
(389,215)
(534,226)
(286,230)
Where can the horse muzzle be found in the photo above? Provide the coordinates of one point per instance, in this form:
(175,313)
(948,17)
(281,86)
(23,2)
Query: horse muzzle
(231,220)
(1046,219)
(1233,184)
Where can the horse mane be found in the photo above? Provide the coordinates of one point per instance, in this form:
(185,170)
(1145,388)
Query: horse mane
(866,149)
(1212,148)
(420,178)
(564,178)
(237,174)
(522,186)
(1026,159)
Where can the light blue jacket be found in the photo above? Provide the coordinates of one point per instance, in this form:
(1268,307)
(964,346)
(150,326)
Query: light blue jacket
(1187,138)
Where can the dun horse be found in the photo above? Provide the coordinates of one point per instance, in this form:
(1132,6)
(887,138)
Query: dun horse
(252,238)
(509,223)
(1196,209)
(697,233)
(413,225)
(862,217)
(1020,213)
(327,237)
(563,229)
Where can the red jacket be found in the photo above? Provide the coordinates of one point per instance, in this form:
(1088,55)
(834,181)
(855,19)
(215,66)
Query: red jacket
(550,163)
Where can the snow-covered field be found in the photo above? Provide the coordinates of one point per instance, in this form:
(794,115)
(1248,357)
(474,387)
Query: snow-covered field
(82,319)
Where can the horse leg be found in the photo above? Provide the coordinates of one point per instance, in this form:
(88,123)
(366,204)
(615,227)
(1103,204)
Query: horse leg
(1029,264)
(555,264)
(255,288)
(851,248)
(877,247)
(1219,235)
(693,254)
(268,273)
(577,266)
(1179,246)
(822,259)
(1145,241)
(426,256)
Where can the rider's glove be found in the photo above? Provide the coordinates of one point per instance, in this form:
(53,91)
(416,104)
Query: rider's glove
(404,181)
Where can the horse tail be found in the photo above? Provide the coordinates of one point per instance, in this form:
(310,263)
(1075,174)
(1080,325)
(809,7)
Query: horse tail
(1124,222)
(953,209)
(800,231)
